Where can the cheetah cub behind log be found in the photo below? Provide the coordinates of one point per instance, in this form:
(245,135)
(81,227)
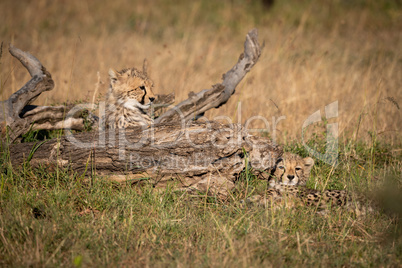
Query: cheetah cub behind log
(128,99)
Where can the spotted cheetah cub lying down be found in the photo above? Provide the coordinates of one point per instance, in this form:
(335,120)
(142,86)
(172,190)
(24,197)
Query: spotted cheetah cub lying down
(128,99)
(287,187)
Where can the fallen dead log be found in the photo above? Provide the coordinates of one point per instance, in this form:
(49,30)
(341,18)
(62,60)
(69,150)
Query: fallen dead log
(206,157)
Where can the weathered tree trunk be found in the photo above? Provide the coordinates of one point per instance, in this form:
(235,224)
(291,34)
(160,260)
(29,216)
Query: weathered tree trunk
(206,157)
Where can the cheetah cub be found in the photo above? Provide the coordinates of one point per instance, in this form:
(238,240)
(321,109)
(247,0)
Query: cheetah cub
(128,99)
(287,187)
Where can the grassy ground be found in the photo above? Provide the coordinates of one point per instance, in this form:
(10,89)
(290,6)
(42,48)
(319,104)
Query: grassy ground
(53,219)
(345,51)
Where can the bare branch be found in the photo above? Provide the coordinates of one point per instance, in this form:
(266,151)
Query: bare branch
(11,109)
(69,123)
(219,94)
(29,61)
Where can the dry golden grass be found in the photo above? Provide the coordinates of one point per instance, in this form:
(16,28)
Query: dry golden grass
(313,55)
(345,51)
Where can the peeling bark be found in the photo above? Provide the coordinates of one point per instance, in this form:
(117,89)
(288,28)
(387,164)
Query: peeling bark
(206,157)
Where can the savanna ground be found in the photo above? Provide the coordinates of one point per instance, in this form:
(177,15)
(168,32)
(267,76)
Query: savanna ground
(315,54)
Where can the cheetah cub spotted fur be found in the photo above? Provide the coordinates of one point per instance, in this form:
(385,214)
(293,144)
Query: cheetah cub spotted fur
(287,187)
(128,99)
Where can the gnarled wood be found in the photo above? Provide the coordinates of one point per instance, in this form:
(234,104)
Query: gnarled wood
(206,157)
(19,116)
(11,109)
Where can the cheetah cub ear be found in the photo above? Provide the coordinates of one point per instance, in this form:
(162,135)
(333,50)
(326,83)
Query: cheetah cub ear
(113,75)
(308,164)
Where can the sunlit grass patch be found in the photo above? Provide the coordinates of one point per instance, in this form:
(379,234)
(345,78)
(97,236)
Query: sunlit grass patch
(50,218)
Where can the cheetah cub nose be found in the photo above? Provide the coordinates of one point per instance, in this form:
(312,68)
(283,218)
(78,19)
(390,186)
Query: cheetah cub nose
(291,177)
(151,99)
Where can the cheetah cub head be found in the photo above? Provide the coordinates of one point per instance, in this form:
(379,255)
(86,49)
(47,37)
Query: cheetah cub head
(131,89)
(291,169)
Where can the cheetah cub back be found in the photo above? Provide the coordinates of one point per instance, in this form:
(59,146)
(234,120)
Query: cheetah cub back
(128,99)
